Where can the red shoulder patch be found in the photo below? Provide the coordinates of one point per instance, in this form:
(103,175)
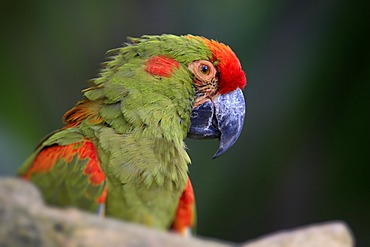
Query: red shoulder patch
(48,156)
(161,66)
(93,170)
(185,211)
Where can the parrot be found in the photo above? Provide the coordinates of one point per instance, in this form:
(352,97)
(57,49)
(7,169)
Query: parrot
(121,152)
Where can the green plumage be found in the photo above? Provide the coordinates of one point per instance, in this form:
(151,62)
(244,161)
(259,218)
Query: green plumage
(137,122)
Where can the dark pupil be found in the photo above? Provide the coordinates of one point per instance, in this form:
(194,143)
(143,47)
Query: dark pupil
(204,69)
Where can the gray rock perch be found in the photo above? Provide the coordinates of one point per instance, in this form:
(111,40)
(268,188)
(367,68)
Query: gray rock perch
(26,221)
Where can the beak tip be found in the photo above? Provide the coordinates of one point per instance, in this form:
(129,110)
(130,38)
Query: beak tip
(217,154)
(226,142)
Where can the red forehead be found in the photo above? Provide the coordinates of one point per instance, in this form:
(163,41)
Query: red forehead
(232,75)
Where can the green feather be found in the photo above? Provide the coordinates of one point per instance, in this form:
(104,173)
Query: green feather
(140,138)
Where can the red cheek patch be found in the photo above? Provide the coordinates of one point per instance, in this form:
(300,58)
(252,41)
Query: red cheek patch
(161,66)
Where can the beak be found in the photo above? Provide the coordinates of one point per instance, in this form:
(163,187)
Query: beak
(223,118)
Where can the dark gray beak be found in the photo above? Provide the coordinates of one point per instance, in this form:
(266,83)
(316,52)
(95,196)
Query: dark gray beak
(223,118)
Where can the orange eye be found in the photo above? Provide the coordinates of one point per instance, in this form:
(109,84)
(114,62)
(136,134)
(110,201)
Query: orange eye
(203,70)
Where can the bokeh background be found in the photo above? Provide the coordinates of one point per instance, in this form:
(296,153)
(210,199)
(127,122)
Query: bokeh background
(303,156)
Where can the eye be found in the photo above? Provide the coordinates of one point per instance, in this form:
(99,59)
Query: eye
(203,70)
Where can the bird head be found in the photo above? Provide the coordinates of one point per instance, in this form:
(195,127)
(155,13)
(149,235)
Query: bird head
(219,107)
(217,77)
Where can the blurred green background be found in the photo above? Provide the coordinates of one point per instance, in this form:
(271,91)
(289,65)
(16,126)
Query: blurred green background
(303,156)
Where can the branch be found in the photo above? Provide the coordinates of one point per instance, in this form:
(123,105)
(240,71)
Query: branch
(27,221)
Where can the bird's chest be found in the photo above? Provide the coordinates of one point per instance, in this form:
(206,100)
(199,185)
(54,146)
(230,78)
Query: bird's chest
(145,179)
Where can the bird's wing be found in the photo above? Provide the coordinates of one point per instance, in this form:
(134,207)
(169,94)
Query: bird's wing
(66,169)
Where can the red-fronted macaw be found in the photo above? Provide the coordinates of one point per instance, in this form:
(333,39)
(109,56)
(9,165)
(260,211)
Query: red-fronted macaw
(121,152)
